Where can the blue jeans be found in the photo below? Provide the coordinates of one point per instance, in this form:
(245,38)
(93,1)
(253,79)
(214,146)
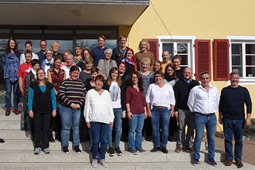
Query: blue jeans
(135,126)
(117,125)
(210,124)
(235,127)
(99,131)
(70,119)
(160,119)
(9,86)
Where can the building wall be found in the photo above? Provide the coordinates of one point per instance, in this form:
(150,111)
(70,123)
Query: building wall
(210,19)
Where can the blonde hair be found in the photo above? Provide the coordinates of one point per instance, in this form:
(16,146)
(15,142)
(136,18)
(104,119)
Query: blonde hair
(146,59)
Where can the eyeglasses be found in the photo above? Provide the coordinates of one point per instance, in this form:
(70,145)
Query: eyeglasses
(134,77)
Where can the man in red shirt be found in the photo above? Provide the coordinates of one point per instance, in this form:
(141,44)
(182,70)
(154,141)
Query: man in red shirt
(23,70)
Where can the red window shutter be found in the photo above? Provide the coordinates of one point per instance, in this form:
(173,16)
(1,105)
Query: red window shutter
(203,56)
(154,47)
(221,59)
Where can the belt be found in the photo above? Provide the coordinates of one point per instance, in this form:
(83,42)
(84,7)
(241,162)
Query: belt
(159,107)
(206,115)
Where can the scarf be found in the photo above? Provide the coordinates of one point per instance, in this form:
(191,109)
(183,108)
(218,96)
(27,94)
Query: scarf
(130,61)
(33,71)
(168,77)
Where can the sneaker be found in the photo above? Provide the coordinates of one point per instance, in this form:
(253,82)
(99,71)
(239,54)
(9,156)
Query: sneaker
(117,150)
(94,163)
(134,152)
(212,162)
(142,150)
(46,151)
(195,162)
(164,150)
(103,163)
(111,152)
(37,151)
(65,149)
(77,149)
(155,149)
(179,149)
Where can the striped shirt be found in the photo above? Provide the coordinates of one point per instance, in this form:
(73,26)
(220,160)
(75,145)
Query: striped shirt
(71,92)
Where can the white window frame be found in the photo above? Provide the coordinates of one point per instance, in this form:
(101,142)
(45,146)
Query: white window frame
(179,39)
(241,40)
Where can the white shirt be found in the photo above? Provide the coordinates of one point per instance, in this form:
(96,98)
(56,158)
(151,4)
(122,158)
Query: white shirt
(46,67)
(23,59)
(67,70)
(115,93)
(98,108)
(202,101)
(157,96)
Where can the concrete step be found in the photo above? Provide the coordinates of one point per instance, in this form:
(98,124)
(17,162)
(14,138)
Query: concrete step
(10,124)
(15,134)
(122,166)
(85,156)
(11,117)
(27,145)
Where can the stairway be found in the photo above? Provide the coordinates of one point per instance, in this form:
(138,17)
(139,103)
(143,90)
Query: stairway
(17,153)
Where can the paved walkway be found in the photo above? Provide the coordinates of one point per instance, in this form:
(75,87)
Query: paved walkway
(248,149)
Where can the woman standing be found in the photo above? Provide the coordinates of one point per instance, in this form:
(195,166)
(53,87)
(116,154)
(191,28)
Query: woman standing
(136,112)
(86,53)
(78,58)
(71,94)
(10,64)
(85,74)
(117,92)
(129,59)
(105,65)
(99,117)
(41,105)
(157,66)
(122,71)
(161,101)
(48,62)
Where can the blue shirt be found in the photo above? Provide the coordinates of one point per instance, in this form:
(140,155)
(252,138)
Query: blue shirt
(10,64)
(187,80)
(43,89)
(98,54)
(41,56)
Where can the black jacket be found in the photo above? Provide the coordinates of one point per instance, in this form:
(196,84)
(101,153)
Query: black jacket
(117,55)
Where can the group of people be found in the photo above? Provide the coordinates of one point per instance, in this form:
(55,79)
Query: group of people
(105,95)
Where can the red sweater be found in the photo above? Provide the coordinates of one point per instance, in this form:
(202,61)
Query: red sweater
(136,100)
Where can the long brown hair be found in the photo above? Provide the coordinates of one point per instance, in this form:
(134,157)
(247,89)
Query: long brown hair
(172,66)
(140,80)
(45,81)
(109,81)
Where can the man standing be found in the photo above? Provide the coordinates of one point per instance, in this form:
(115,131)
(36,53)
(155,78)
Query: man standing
(41,54)
(144,53)
(176,60)
(166,61)
(232,115)
(185,117)
(23,70)
(55,47)
(203,102)
(29,47)
(119,52)
(98,51)
(69,64)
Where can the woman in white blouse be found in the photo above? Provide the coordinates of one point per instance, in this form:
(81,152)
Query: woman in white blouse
(160,103)
(99,117)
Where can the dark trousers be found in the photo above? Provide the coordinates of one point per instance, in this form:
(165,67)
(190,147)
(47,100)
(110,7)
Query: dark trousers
(172,126)
(147,128)
(125,128)
(42,127)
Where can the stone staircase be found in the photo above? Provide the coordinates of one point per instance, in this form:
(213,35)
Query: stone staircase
(17,153)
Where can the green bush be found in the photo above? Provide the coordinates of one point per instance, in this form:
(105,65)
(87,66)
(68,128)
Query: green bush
(250,130)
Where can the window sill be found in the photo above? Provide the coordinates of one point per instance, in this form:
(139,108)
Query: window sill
(245,81)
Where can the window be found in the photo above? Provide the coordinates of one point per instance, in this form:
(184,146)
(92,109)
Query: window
(242,57)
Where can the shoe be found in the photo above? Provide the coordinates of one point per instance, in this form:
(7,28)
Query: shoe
(118,151)
(37,151)
(103,163)
(111,152)
(179,149)
(16,111)
(94,163)
(51,139)
(212,162)
(195,162)
(77,149)
(8,112)
(189,149)
(164,150)
(171,139)
(228,162)
(155,149)
(46,151)
(141,150)
(239,164)
(65,149)
(134,152)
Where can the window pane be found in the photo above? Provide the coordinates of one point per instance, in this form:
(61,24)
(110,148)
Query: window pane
(238,69)
(184,59)
(250,48)
(182,48)
(168,47)
(236,60)
(250,60)
(236,48)
(250,71)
